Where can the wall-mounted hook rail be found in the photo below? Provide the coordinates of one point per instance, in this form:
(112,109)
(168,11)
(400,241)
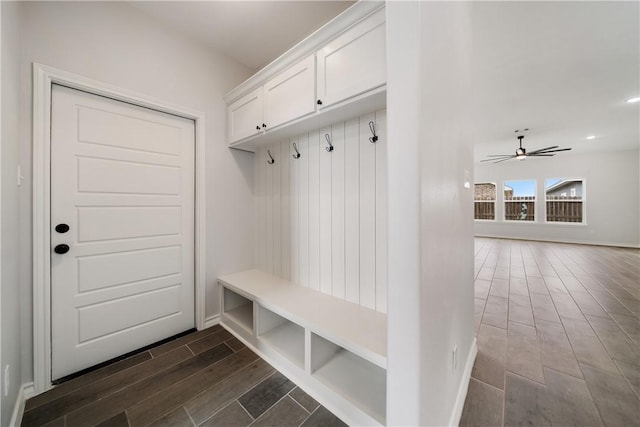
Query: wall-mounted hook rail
(328,138)
(271,159)
(297,154)
(373,139)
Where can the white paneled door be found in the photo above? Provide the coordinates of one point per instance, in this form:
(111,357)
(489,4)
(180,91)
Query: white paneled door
(122,228)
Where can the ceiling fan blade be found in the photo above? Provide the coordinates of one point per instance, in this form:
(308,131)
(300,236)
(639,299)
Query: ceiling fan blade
(551,151)
(544,149)
(502,160)
(497,158)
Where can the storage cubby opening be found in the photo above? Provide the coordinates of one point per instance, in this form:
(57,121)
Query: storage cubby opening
(353,377)
(286,337)
(239,309)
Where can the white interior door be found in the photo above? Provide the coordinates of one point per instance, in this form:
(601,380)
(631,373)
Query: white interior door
(122,179)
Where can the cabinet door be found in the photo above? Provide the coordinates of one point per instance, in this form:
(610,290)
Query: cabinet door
(353,63)
(291,94)
(245,116)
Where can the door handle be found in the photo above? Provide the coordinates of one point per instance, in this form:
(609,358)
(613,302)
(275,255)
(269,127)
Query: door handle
(61,249)
(62,228)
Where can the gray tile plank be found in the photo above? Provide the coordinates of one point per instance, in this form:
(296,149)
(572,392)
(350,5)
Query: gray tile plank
(179,393)
(207,403)
(587,346)
(555,349)
(111,405)
(543,308)
(631,373)
(483,405)
(86,379)
(615,400)
(92,393)
(306,401)
(499,288)
(570,402)
(520,310)
(235,344)
(232,415)
(495,312)
(286,413)
(491,360)
(617,343)
(119,420)
(566,306)
(323,418)
(176,418)
(209,341)
(526,403)
(179,342)
(260,398)
(481,288)
(537,286)
(523,354)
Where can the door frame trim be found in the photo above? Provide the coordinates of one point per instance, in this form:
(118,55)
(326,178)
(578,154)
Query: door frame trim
(43,79)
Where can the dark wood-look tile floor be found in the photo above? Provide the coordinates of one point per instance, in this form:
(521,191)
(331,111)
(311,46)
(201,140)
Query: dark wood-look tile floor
(207,378)
(558,333)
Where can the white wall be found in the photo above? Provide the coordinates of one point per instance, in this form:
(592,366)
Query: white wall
(117,44)
(612,194)
(321,220)
(430,212)
(10,244)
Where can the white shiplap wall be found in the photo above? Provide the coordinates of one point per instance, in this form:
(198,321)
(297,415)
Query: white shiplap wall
(321,220)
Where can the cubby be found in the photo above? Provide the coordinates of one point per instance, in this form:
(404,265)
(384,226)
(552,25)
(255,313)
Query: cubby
(348,374)
(284,336)
(238,309)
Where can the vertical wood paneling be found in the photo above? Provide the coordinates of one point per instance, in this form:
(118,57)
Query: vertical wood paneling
(314,209)
(337,212)
(260,232)
(321,220)
(303,209)
(381,212)
(367,214)
(268,184)
(294,246)
(276,208)
(285,212)
(352,210)
(326,159)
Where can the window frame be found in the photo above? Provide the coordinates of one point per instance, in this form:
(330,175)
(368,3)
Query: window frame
(534,201)
(583,200)
(494,201)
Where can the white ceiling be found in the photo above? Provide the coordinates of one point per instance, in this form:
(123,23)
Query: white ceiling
(252,32)
(562,69)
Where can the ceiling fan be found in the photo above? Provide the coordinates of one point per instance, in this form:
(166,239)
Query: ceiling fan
(521,153)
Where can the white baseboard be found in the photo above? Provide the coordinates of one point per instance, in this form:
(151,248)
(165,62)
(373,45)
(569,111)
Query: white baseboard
(464,385)
(552,240)
(211,321)
(26,391)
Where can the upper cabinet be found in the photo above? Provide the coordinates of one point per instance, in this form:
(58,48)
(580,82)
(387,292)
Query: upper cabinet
(291,94)
(245,116)
(353,63)
(336,73)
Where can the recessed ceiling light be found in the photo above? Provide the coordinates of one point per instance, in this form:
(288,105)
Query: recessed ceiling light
(591,137)
(632,100)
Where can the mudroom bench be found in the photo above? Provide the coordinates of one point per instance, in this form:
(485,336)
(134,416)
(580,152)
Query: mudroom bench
(333,349)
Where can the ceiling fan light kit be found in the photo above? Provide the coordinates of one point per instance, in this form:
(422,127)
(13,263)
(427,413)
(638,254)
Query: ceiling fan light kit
(521,152)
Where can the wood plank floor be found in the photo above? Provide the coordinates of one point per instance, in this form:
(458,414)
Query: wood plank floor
(558,344)
(558,334)
(207,378)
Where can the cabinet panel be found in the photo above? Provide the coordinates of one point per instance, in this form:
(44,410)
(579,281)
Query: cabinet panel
(353,63)
(245,115)
(291,94)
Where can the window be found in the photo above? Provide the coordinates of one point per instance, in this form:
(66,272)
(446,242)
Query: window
(484,201)
(520,200)
(560,207)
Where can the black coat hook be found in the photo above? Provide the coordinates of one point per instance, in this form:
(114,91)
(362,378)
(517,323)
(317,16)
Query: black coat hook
(328,138)
(372,126)
(295,148)
(272,160)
